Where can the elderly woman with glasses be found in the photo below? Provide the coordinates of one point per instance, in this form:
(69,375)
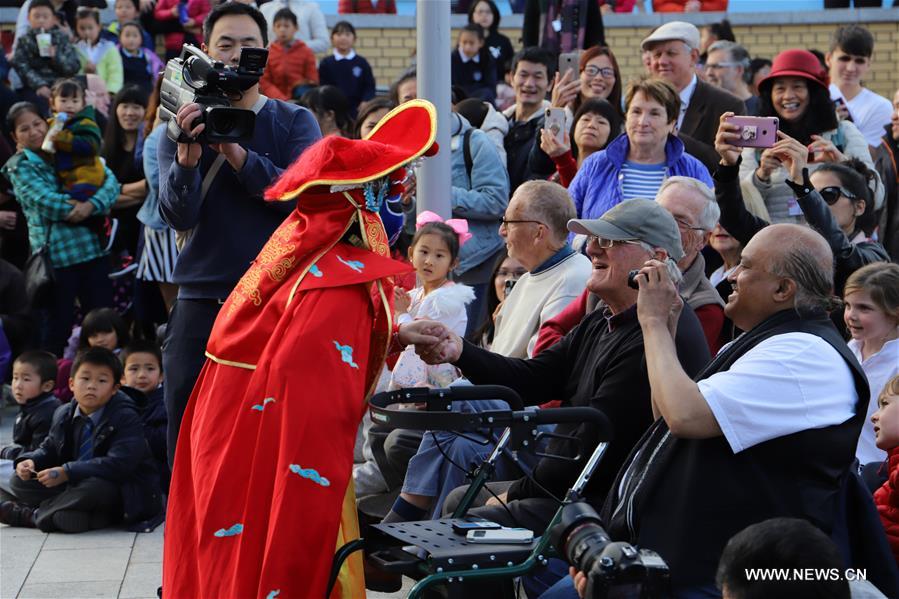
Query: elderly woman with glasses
(836,200)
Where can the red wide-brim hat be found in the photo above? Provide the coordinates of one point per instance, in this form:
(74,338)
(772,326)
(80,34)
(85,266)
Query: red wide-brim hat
(797,63)
(404,134)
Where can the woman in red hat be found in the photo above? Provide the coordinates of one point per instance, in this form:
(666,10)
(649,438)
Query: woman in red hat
(261,494)
(795,91)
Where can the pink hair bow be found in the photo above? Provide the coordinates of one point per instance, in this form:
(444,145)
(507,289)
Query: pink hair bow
(459,225)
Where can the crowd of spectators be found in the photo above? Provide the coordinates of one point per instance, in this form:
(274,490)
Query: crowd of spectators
(756,358)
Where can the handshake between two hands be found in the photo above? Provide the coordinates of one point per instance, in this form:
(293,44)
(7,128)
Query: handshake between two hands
(434,342)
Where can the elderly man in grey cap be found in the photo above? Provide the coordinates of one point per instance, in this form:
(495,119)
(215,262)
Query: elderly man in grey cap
(599,364)
(673,53)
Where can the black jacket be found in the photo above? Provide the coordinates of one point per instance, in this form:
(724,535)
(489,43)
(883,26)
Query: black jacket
(742,224)
(886,159)
(518,142)
(599,364)
(701,119)
(32,425)
(121,455)
(14,310)
(155,420)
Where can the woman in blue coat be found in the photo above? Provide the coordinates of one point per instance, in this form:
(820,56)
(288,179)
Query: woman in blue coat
(635,164)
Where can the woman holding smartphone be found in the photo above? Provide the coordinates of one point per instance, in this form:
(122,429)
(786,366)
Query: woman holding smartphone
(796,92)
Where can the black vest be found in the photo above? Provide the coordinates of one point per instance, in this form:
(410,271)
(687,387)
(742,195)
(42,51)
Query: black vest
(684,498)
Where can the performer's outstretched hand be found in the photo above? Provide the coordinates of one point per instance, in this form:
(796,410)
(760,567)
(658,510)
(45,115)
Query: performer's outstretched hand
(434,342)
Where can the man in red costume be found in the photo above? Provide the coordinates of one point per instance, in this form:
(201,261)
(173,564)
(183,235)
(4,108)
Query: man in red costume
(261,491)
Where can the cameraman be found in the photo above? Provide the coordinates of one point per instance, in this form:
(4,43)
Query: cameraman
(214,192)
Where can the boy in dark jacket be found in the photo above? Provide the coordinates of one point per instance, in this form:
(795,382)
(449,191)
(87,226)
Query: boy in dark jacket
(94,467)
(33,378)
(143,371)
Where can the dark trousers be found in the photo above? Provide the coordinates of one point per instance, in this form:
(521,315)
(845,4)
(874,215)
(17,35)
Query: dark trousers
(98,497)
(183,356)
(89,282)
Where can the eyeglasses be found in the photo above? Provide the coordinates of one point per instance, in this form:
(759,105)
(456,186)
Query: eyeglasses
(714,66)
(682,223)
(592,71)
(831,195)
(506,222)
(605,244)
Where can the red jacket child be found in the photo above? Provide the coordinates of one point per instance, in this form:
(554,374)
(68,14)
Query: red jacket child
(288,67)
(167,10)
(887,500)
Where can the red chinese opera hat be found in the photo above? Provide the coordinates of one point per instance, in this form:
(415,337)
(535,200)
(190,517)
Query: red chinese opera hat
(404,134)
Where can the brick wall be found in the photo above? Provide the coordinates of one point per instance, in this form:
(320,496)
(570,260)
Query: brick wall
(390,50)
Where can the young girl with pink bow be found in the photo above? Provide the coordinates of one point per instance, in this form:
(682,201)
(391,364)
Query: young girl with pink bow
(434,254)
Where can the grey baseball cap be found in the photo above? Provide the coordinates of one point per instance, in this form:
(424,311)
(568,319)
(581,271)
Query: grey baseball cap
(635,220)
(674,30)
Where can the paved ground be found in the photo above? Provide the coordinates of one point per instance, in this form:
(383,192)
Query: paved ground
(103,563)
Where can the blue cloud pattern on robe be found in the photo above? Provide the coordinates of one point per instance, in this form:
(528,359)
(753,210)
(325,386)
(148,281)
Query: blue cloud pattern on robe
(265,402)
(354,264)
(315,271)
(346,354)
(273,594)
(311,474)
(235,530)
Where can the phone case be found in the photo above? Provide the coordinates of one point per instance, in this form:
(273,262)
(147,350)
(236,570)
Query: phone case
(756,131)
(555,123)
(502,536)
(568,61)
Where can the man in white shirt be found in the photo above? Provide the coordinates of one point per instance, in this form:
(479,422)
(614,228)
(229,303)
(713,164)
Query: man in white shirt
(767,430)
(849,60)
(311,27)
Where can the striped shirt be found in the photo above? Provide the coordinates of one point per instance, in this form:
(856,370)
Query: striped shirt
(641,180)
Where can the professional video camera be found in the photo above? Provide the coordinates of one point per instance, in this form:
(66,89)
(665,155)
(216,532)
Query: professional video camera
(196,77)
(614,569)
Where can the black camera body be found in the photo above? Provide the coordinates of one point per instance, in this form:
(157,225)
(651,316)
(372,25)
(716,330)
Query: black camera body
(615,570)
(196,77)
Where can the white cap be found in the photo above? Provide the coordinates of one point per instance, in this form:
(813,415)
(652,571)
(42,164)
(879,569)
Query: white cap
(674,30)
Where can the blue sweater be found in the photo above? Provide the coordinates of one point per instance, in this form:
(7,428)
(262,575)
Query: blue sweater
(354,78)
(597,186)
(232,223)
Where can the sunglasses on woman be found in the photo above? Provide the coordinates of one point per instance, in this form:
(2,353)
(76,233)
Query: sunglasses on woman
(832,194)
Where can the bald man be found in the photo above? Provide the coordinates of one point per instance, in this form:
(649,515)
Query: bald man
(768,430)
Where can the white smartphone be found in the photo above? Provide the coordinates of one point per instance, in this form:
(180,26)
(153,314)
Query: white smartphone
(501,536)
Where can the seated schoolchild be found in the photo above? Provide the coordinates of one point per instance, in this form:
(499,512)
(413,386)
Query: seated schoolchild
(142,360)
(94,467)
(33,379)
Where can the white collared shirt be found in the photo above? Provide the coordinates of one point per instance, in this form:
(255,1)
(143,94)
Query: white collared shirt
(465,59)
(879,369)
(685,95)
(338,56)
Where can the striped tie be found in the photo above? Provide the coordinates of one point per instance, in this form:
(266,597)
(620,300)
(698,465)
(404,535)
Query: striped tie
(86,449)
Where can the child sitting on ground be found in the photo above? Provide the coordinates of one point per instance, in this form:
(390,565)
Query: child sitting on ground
(290,70)
(143,371)
(886,431)
(76,149)
(94,468)
(472,67)
(33,378)
(39,63)
(346,69)
(140,65)
(101,327)
(98,56)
